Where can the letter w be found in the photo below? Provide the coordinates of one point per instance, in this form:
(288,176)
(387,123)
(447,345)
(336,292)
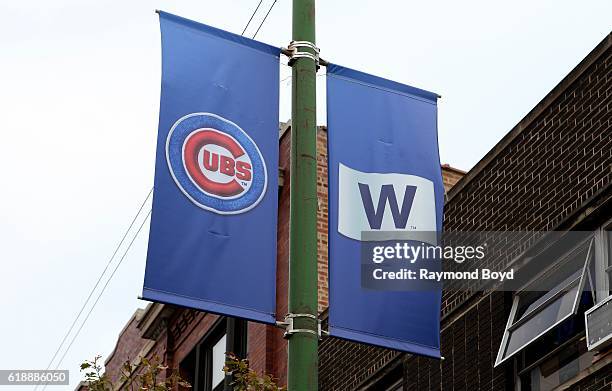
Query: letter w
(387,192)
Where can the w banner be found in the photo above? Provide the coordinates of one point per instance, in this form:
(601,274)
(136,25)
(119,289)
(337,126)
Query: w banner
(212,244)
(385,190)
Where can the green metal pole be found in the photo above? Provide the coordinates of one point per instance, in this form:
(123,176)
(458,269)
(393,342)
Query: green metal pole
(303,357)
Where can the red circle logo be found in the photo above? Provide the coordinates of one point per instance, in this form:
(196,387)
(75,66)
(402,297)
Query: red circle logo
(217,164)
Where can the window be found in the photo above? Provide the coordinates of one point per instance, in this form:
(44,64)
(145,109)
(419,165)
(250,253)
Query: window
(545,334)
(211,355)
(557,356)
(391,380)
(547,301)
(602,270)
(568,361)
(203,367)
(218,362)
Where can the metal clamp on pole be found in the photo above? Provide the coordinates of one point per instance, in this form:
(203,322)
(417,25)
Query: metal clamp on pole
(294,51)
(288,325)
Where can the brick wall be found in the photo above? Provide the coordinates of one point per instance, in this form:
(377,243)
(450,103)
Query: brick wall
(322,217)
(600,381)
(539,177)
(450,176)
(129,345)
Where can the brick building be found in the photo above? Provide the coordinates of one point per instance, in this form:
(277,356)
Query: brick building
(552,171)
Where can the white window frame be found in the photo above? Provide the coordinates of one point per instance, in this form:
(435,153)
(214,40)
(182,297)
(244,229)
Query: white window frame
(603,263)
(512,324)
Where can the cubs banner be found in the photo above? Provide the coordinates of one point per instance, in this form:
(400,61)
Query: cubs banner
(212,244)
(385,189)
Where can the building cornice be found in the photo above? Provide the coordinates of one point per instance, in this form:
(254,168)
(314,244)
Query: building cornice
(154,320)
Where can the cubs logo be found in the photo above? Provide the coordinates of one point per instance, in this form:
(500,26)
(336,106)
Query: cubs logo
(216,164)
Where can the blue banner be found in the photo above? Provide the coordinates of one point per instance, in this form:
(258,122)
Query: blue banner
(385,184)
(212,244)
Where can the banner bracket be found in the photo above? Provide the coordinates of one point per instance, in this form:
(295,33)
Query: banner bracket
(288,325)
(293,52)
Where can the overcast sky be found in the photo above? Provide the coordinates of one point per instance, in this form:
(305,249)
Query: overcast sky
(79,97)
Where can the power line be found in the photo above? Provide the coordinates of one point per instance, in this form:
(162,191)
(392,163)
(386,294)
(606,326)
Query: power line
(251,18)
(99,280)
(104,287)
(264,19)
(285,78)
(102,291)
